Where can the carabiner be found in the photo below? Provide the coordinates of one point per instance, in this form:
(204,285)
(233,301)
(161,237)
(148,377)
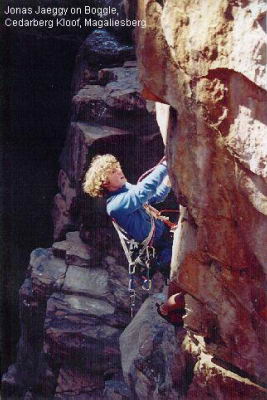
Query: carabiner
(132,268)
(150,252)
(132,300)
(147,284)
(131,285)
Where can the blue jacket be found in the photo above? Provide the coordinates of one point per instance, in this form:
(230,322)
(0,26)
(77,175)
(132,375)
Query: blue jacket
(125,205)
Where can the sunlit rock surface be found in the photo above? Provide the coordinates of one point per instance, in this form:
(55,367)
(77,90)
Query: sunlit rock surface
(207,60)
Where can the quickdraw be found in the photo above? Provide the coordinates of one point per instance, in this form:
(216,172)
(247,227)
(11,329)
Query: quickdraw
(150,255)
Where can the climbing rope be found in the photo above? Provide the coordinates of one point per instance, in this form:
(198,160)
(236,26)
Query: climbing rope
(150,170)
(158,215)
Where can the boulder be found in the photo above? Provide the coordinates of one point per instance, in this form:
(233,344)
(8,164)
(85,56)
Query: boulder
(77,383)
(152,361)
(73,250)
(118,90)
(93,281)
(47,272)
(80,138)
(76,332)
(116,390)
(102,48)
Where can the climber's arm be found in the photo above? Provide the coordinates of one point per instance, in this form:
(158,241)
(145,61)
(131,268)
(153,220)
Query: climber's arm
(162,191)
(127,202)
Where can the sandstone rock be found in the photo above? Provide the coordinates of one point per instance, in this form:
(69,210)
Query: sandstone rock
(191,58)
(62,219)
(236,327)
(73,250)
(106,296)
(65,207)
(151,360)
(212,380)
(92,282)
(116,390)
(10,383)
(74,383)
(121,97)
(48,272)
(75,331)
(66,190)
(80,137)
(87,63)
(32,312)
(94,395)
(89,102)
(184,240)
(24,373)
(72,332)
(201,44)
(130,64)
(102,48)
(101,104)
(119,282)
(122,89)
(123,32)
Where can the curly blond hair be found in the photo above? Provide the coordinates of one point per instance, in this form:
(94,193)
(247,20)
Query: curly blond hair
(97,174)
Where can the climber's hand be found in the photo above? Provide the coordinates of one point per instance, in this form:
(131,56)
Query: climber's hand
(167,181)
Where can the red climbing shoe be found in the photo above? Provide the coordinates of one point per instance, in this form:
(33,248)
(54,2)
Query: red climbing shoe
(173,317)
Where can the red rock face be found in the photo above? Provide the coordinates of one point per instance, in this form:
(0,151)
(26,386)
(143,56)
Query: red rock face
(206,60)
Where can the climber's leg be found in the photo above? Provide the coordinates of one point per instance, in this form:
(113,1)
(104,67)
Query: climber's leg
(173,303)
(164,254)
(174,307)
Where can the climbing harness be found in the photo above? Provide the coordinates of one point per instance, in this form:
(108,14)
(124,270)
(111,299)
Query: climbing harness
(138,255)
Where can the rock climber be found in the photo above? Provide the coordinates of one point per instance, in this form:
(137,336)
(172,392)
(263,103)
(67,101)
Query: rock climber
(125,203)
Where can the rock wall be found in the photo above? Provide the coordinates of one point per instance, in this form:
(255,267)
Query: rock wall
(206,62)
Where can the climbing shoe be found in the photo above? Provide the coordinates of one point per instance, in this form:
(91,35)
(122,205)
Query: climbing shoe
(173,317)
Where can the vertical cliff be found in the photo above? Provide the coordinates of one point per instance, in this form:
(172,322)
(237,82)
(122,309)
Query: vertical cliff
(206,61)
